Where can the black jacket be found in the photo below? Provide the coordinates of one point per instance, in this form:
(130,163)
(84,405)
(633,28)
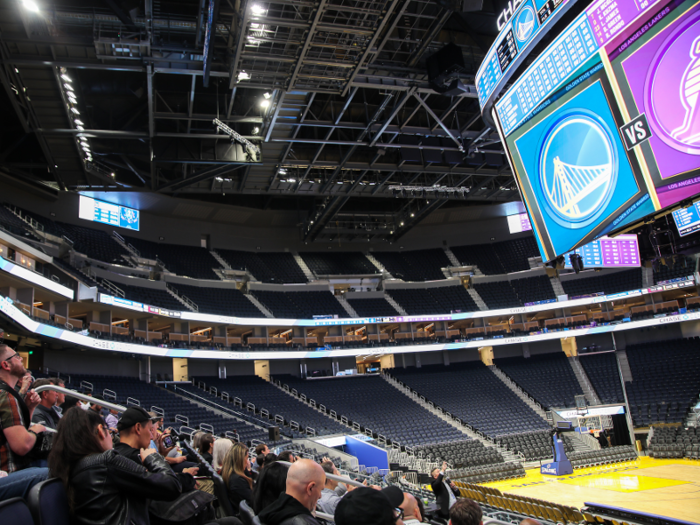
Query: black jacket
(287,511)
(442,498)
(109,489)
(186,481)
(239,490)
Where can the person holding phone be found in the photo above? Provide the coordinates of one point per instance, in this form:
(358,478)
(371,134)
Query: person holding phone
(102,485)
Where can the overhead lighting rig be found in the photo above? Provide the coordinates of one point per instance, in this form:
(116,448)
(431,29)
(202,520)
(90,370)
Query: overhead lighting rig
(418,189)
(250,147)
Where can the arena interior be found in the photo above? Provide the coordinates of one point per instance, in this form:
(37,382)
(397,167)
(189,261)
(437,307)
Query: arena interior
(268,220)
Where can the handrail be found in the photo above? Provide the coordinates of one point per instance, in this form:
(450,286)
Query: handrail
(209,402)
(82,397)
(343,479)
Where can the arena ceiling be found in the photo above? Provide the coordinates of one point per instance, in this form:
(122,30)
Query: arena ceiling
(121,95)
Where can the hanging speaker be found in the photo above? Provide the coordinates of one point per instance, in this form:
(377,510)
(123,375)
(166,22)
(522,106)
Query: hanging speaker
(273,433)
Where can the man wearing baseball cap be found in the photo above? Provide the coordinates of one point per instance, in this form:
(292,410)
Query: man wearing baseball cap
(135,434)
(370,507)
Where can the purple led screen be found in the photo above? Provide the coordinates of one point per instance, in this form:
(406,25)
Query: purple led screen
(663,77)
(606,252)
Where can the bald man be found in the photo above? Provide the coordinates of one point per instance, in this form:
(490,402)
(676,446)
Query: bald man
(305,481)
(411,512)
(530,521)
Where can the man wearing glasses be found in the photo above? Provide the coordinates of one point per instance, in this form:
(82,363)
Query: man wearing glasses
(17,437)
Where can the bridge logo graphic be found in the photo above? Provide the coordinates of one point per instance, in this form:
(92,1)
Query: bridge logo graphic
(577,169)
(525,24)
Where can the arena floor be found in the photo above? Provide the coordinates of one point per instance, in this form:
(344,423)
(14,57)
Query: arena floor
(669,487)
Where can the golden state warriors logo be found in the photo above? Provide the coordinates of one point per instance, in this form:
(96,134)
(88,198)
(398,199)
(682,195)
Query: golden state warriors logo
(578,169)
(525,24)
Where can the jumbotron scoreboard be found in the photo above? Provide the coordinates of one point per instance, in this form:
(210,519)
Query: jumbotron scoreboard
(602,128)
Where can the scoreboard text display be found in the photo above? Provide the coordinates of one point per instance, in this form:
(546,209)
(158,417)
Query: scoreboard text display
(107,213)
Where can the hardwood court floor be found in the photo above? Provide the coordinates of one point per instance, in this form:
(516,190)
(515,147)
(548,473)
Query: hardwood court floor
(668,487)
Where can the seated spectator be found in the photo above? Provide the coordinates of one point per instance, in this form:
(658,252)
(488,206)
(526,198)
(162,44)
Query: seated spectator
(530,521)
(135,433)
(329,497)
(465,512)
(112,419)
(44,413)
(271,482)
(305,481)
(221,448)
(368,507)
(260,452)
(206,447)
(60,397)
(102,485)
(18,484)
(19,438)
(95,407)
(269,459)
(287,456)
(411,512)
(237,476)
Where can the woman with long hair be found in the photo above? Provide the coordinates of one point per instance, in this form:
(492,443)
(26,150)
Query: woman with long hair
(272,482)
(236,474)
(102,486)
(206,445)
(221,448)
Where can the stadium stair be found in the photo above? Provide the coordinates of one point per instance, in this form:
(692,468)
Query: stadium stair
(624,365)
(259,305)
(221,260)
(396,305)
(443,414)
(477,299)
(304,267)
(378,265)
(187,303)
(556,286)
(584,382)
(451,256)
(515,388)
(346,306)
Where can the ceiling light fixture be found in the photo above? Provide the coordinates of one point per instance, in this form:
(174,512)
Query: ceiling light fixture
(79,122)
(75,110)
(258,10)
(264,103)
(68,87)
(80,128)
(267,94)
(31,5)
(66,77)
(242,75)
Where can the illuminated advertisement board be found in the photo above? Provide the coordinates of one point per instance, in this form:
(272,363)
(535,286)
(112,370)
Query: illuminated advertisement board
(90,209)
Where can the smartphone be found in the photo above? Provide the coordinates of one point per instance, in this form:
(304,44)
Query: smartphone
(168,442)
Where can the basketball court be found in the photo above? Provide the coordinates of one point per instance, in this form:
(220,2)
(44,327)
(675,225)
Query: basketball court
(669,487)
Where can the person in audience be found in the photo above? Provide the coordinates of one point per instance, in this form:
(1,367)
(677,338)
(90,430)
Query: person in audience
(368,507)
(530,521)
(465,512)
(18,484)
(44,413)
(95,407)
(18,437)
(305,481)
(445,491)
(220,449)
(112,419)
(260,452)
(25,383)
(60,397)
(421,508)
(105,487)
(329,497)
(206,447)
(269,459)
(236,474)
(135,429)
(411,512)
(287,455)
(271,482)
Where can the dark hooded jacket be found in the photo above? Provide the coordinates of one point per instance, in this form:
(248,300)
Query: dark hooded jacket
(286,510)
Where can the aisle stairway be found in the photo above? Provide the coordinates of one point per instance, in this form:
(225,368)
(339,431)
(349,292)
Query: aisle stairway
(515,388)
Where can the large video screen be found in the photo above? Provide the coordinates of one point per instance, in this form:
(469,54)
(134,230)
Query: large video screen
(618,252)
(687,219)
(93,210)
(519,223)
(603,128)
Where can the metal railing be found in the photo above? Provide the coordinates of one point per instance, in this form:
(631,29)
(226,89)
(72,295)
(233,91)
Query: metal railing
(82,397)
